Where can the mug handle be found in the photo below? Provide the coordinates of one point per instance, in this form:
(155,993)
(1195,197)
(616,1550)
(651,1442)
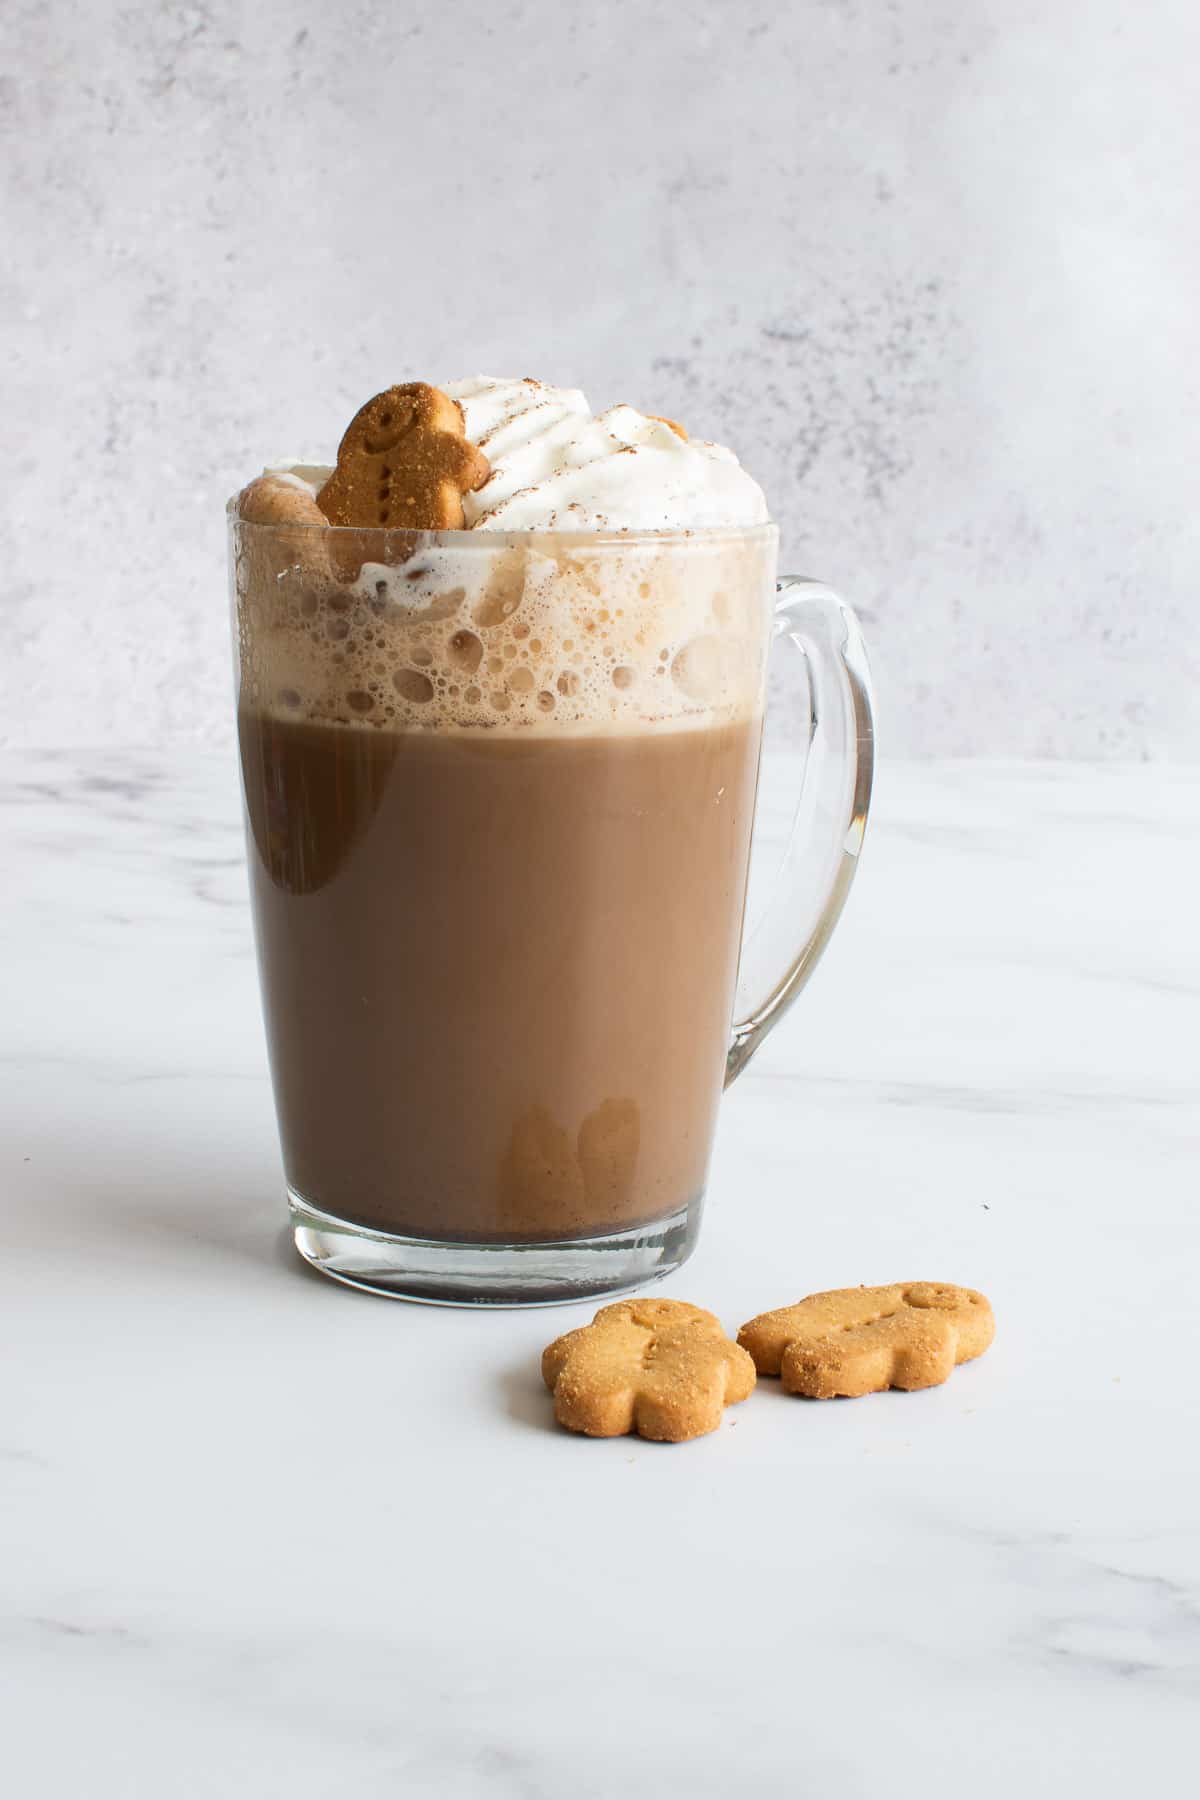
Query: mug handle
(830,818)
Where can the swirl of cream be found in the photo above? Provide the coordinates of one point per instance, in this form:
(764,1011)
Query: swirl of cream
(556,467)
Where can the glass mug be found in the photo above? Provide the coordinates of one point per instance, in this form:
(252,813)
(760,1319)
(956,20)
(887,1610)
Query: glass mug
(499,794)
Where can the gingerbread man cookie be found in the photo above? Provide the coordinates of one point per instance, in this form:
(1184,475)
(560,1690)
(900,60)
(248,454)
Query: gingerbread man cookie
(299,531)
(404,463)
(662,1368)
(275,499)
(854,1341)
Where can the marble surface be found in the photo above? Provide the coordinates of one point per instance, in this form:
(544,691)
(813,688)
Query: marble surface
(262,1536)
(929,266)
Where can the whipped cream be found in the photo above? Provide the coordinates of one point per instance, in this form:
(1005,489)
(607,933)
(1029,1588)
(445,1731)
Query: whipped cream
(558,467)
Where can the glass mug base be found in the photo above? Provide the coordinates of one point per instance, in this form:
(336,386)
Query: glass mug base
(446,1273)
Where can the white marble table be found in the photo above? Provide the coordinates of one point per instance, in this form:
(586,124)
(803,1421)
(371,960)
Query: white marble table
(263,1536)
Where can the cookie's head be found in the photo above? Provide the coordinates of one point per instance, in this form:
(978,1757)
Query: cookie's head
(385,421)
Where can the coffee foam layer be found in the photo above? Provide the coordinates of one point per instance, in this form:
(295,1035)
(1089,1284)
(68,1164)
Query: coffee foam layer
(550,637)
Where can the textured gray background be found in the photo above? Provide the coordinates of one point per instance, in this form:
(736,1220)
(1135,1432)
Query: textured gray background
(931,267)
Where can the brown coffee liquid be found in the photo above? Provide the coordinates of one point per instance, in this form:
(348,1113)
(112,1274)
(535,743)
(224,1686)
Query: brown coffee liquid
(498,969)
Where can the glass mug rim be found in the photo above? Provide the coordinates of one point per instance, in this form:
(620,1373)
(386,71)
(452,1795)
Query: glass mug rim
(486,539)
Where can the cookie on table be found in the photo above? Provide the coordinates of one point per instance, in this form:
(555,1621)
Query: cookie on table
(853,1341)
(661,1368)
